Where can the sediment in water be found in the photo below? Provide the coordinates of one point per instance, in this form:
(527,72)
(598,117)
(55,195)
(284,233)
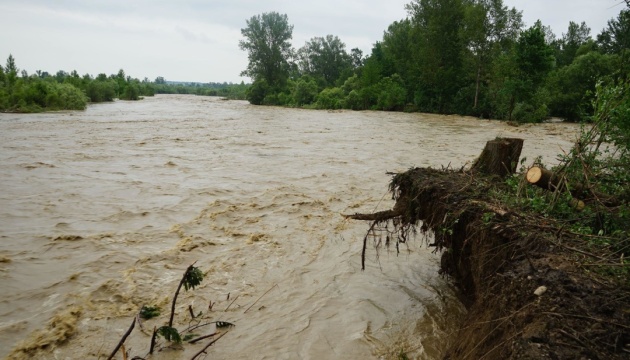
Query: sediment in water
(527,298)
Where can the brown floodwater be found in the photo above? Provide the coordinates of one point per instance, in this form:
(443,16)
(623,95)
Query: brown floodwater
(102,210)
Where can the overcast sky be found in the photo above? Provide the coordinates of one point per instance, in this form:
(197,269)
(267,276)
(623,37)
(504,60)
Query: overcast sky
(196,40)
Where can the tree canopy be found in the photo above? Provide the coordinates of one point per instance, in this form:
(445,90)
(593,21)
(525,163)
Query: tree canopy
(267,41)
(471,57)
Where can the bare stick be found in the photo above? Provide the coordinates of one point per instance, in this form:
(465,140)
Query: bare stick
(153,337)
(207,346)
(179,287)
(120,343)
(365,244)
(259,298)
(190,310)
(201,338)
(226,309)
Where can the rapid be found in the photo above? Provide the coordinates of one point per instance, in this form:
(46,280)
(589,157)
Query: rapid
(102,210)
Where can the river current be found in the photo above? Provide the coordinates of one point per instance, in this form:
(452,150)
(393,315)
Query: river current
(102,210)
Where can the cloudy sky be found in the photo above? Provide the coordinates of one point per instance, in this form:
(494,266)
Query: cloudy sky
(196,40)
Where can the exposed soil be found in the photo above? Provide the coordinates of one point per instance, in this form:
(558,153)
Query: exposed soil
(522,277)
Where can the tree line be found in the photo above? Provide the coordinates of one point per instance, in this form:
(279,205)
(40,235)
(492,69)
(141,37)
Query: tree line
(470,57)
(42,91)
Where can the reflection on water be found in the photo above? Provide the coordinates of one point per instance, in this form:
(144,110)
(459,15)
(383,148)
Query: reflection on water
(101,211)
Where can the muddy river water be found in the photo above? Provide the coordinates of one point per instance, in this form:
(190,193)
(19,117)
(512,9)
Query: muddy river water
(102,210)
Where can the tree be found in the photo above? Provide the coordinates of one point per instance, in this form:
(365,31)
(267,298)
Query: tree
(573,87)
(398,52)
(533,55)
(437,25)
(11,70)
(357,57)
(576,36)
(325,58)
(269,50)
(490,28)
(615,38)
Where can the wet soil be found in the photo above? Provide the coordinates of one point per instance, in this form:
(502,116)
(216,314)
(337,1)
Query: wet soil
(521,276)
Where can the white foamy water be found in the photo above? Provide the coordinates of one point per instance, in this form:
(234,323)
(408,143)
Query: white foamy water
(101,211)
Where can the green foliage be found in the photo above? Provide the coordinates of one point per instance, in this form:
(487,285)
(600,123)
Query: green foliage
(101,90)
(170,334)
(148,312)
(325,58)
(330,99)
(258,91)
(439,58)
(392,95)
(305,91)
(615,38)
(572,88)
(193,278)
(131,92)
(597,170)
(267,43)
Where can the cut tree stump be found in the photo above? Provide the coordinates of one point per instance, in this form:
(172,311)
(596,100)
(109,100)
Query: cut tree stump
(499,157)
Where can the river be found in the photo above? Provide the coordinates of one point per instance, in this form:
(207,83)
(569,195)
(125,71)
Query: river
(102,210)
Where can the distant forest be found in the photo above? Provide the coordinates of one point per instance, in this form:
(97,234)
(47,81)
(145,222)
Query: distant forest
(23,92)
(469,57)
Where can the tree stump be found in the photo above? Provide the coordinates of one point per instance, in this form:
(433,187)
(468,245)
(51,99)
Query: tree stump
(499,157)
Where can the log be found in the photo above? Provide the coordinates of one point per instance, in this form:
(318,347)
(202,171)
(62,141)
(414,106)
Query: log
(543,178)
(499,157)
(548,180)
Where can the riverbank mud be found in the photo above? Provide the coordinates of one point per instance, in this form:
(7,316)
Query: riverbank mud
(527,297)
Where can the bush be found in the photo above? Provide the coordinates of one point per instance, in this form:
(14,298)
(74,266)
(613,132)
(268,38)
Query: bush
(392,94)
(305,91)
(257,92)
(332,98)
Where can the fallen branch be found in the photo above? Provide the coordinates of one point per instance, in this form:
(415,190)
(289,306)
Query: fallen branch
(259,298)
(122,341)
(226,309)
(201,338)
(203,351)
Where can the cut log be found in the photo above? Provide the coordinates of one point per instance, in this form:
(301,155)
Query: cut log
(543,178)
(548,180)
(499,157)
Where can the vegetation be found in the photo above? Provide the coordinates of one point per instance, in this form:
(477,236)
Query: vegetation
(596,171)
(42,91)
(191,278)
(471,57)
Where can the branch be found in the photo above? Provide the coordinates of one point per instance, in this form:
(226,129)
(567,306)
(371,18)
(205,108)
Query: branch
(121,342)
(259,298)
(202,351)
(377,216)
(179,287)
